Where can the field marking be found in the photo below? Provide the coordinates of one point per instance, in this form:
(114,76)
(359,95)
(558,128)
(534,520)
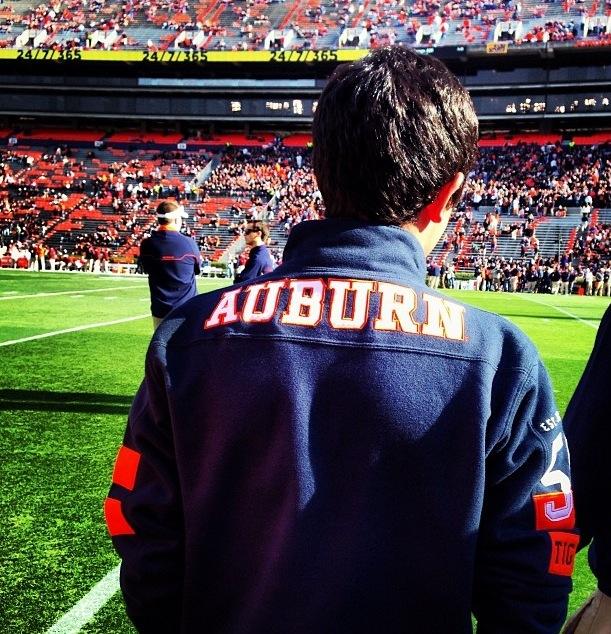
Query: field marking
(561,310)
(75,329)
(91,290)
(83,611)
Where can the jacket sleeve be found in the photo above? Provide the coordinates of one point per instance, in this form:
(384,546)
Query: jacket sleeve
(527,541)
(144,255)
(144,512)
(588,430)
(198,259)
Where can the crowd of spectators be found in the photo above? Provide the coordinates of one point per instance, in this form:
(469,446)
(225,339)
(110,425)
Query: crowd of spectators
(542,180)
(519,186)
(554,31)
(160,24)
(566,275)
(281,176)
(593,246)
(114,206)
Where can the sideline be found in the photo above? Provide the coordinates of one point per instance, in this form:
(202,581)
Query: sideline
(83,611)
(73,292)
(75,329)
(560,310)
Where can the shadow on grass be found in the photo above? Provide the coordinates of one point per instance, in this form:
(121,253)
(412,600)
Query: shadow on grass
(44,401)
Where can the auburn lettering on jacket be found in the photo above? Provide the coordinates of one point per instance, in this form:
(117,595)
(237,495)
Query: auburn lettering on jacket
(344,304)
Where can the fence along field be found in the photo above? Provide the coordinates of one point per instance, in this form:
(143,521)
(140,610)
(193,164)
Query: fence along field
(72,351)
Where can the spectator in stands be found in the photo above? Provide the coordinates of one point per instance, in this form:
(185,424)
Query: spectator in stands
(277,484)
(589,436)
(260,262)
(171,260)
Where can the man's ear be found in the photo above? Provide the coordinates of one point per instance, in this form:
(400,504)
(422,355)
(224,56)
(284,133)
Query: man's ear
(434,210)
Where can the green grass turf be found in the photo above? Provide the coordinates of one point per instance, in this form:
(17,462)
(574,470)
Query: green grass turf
(63,406)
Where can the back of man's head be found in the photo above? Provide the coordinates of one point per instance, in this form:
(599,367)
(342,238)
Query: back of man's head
(168,212)
(389,132)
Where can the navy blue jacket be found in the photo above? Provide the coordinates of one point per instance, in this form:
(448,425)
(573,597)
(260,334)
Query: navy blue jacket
(259,263)
(171,260)
(334,448)
(588,430)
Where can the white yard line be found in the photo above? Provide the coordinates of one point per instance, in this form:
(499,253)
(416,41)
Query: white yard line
(88,606)
(560,310)
(73,291)
(75,329)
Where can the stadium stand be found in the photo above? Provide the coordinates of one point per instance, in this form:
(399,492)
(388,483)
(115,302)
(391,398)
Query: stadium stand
(534,198)
(545,203)
(310,24)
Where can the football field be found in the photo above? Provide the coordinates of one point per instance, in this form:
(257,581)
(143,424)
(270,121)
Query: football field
(72,352)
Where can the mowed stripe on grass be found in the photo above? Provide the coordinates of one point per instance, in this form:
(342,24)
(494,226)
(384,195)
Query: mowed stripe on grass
(71,292)
(530,298)
(55,333)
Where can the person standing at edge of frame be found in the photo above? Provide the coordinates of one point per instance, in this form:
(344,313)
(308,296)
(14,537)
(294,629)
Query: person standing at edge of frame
(588,431)
(334,446)
(171,260)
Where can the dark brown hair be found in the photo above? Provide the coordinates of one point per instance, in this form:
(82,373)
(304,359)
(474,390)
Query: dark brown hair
(389,131)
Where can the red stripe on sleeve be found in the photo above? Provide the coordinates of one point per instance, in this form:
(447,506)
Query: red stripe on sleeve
(126,467)
(115,520)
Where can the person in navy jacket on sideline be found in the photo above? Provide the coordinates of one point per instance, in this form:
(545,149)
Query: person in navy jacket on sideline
(259,260)
(171,260)
(334,447)
(588,430)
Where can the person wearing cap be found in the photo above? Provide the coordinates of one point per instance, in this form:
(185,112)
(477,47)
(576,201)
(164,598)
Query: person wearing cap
(171,260)
(259,260)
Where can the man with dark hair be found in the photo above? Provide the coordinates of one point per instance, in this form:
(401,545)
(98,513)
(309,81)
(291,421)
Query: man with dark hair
(382,151)
(335,447)
(259,260)
(171,260)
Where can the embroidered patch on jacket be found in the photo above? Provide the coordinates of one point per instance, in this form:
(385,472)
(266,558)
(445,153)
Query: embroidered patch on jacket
(126,467)
(115,520)
(554,511)
(562,557)
(343,304)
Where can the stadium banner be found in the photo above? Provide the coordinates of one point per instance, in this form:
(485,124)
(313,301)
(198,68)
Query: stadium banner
(178,56)
(202,57)
(497,48)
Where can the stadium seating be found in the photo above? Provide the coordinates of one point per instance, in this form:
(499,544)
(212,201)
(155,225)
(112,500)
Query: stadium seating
(310,24)
(57,189)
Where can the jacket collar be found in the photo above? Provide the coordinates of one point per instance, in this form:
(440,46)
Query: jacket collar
(351,246)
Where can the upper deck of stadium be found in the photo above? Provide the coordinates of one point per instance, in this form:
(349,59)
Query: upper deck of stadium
(240,26)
